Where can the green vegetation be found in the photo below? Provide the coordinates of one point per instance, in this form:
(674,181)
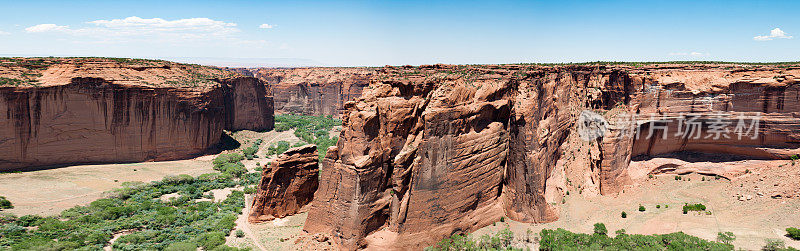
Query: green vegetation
(641,208)
(561,239)
(793,233)
(600,228)
(726,237)
(136,210)
(278,148)
(658,206)
(499,241)
(693,207)
(5,204)
(250,152)
(794,158)
(624,214)
(310,129)
(678,177)
(776,245)
(230,163)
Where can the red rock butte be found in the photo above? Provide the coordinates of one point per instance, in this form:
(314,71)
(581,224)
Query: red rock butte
(61,111)
(433,150)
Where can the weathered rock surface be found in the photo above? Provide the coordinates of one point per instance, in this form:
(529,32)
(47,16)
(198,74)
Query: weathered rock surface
(432,150)
(313,91)
(85,110)
(287,184)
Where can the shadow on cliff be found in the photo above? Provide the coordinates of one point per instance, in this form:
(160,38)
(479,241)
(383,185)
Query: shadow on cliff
(690,156)
(226,142)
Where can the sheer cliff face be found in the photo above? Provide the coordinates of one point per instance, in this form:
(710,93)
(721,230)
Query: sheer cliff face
(314,91)
(64,117)
(433,150)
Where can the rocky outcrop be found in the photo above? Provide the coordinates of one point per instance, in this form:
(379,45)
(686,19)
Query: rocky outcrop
(313,91)
(103,111)
(432,150)
(287,184)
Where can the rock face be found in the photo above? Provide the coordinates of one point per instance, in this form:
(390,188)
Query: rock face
(287,184)
(100,110)
(313,91)
(432,150)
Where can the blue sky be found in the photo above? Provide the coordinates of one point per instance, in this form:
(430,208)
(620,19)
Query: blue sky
(375,33)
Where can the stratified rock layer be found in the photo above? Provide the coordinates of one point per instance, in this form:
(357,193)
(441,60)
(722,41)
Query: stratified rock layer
(287,184)
(313,91)
(432,150)
(101,110)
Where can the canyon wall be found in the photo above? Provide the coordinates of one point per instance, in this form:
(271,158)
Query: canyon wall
(434,150)
(313,91)
(99,111)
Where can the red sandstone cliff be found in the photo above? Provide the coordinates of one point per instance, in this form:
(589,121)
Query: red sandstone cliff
(88,110)
(429,151)
(313,91)
(287,184)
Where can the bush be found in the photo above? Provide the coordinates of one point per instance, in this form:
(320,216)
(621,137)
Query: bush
(211,240)
(624,214)
(500,241)
(561,239)
(678,177)
(793,233)
(641,208)
(239,233)
(278,148)
(249,190)
(181,246)
(5,204)
(693,207)
(600,228)
(726,237)
(774,245)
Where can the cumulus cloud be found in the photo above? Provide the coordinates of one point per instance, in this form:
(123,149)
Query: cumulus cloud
(266,26)
(149,30)
(47,28)
(773,34)
(694,53)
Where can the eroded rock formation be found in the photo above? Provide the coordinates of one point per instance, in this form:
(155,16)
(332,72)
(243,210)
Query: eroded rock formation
(69,111)
(287,184)
(432,150)
(313,91)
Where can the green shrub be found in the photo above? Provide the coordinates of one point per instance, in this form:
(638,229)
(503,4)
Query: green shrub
(278,148)
(5,204)
(693,207)
(658,206)
(310,129)
(239,233)
(500,241)
(678,177)
(600,228)
(726,237)
(210,240)
(641,208)
(181,246)
(561,239)
(624,214)
(793,233)
(249,190)
(774,245)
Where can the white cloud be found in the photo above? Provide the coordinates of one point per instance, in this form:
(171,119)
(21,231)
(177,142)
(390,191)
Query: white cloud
(150,30)
(46,28)
(774,33)
(4,33)
(694,53)
(266,26)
